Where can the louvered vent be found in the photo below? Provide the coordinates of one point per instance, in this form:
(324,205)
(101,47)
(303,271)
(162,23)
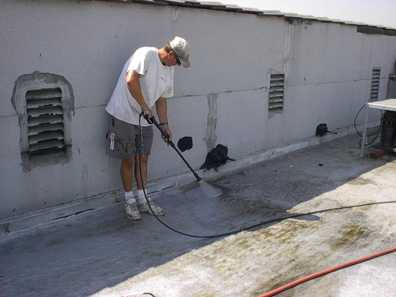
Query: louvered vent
(45,121)
(276,91)
(375,81)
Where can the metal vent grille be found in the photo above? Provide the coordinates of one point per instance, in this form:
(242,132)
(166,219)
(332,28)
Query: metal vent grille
(45,121)
(276,91)
(375,81)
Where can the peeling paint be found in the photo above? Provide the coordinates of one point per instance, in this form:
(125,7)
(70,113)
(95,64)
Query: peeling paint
(175,13)
(210,136)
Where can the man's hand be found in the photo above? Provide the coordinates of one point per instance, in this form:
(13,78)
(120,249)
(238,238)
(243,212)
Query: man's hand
(149,113)
(168,132)
(162,107)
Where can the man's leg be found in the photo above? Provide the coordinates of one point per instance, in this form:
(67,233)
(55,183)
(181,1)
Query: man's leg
(122,145)
(141,161)
(131,207)
(127,174)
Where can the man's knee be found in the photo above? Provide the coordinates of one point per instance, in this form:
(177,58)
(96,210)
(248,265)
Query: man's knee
(128,162)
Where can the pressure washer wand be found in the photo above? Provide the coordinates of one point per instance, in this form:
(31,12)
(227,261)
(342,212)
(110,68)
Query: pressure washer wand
(152,120)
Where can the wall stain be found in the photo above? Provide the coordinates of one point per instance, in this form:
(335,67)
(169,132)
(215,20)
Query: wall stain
(84,180)
(210,136)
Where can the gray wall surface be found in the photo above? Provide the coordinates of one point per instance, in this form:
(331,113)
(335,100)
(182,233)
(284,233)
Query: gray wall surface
(222,98)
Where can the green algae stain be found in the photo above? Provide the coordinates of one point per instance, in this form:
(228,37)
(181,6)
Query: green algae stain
(348,235)
(361,181)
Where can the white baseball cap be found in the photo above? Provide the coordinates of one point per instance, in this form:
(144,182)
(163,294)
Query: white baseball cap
(182,49)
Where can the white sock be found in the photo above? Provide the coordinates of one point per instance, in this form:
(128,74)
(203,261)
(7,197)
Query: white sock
(140,196)
(129,195)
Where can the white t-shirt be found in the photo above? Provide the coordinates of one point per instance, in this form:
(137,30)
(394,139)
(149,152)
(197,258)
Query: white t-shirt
(156,81)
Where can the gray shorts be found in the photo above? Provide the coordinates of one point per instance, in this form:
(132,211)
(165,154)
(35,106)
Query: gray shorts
(124,141)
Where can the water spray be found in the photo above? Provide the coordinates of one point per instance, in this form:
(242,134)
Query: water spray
(209,190)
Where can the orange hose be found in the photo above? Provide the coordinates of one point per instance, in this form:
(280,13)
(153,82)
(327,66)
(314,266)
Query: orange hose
(327,271)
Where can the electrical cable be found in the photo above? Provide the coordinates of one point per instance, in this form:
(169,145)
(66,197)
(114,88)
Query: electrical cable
(354,124)
(327,271)
(292,216)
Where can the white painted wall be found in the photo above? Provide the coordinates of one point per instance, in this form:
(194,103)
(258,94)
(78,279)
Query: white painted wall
(328,75)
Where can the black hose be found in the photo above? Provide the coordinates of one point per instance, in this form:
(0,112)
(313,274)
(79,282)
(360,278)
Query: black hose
(354,124)
(292,216)
(152,120)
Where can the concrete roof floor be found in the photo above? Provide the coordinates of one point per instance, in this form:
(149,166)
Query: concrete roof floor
(102,253)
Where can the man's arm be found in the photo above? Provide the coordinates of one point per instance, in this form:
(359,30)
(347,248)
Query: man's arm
(162,110)
(132,80)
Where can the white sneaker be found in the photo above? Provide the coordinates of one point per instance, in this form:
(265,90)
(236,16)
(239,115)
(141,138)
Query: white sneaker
(144,207)
(131,209)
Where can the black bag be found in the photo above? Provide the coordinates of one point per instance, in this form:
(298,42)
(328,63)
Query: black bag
(321,130)
(216,157)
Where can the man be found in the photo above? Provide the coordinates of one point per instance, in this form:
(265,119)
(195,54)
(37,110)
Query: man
(146,80)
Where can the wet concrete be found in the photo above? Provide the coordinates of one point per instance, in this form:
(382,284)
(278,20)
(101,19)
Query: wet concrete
(102,253)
